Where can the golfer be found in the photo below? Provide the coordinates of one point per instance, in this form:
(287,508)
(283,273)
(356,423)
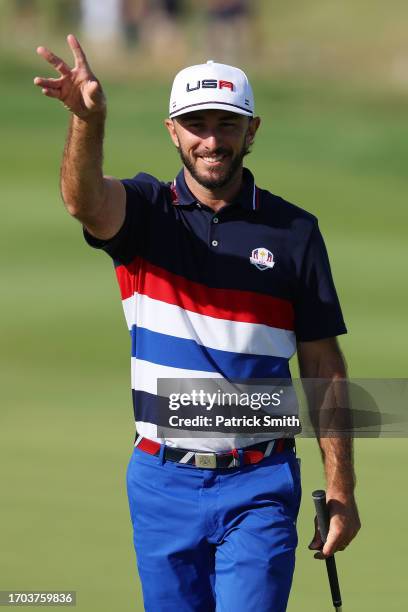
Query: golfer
(219,279)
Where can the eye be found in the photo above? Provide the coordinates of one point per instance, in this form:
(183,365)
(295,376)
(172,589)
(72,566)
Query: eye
(195,125)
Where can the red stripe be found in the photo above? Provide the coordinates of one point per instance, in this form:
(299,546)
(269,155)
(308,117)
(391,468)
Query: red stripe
(174,196)
(246,306)
(280,445)
(253,456)
(149,446)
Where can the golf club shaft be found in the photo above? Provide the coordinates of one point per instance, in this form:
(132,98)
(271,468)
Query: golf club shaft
(333,581)
(319,498)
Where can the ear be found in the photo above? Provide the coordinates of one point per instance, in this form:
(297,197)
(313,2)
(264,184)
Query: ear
(252,130)
(170,125)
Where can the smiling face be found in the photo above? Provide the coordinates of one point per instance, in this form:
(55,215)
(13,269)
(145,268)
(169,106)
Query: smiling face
(212,144)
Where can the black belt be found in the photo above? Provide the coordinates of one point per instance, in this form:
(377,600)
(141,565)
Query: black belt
(251,454)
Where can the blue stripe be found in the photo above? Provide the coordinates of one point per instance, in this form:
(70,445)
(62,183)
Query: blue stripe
(186,354)
(146,407)
(153,409)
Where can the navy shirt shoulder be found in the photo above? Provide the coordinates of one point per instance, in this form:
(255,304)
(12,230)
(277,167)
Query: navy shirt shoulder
(143,192)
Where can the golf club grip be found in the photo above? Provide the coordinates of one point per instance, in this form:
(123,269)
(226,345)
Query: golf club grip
(319,498)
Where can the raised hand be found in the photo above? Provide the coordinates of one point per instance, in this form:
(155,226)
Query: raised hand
(77,88)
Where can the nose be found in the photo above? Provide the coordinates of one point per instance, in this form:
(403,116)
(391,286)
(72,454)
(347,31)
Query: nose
(212,140)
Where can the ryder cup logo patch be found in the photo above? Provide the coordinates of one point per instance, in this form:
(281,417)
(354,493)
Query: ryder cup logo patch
(262,259)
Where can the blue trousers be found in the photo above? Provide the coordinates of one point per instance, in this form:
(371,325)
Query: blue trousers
(214,540)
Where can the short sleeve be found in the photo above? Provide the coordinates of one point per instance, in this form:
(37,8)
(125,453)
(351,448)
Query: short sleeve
(318,313)
(142,194)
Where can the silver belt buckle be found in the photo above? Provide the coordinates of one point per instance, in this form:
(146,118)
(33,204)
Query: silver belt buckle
(205,460)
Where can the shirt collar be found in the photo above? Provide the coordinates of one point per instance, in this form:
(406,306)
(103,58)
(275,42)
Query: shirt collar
(246,198)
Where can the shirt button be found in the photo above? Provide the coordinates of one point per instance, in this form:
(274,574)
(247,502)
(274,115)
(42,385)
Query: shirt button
(215,243)
(215,220)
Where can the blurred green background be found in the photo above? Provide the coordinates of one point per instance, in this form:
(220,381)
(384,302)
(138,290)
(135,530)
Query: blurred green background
(331,83)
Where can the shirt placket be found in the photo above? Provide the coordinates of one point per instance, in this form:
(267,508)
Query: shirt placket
(214,233)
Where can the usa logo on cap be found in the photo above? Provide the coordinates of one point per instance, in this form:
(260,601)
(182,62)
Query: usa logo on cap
(211,86)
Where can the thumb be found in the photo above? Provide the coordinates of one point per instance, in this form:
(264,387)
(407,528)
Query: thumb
(93,90)
(317,542)
(93,94)
(330,544)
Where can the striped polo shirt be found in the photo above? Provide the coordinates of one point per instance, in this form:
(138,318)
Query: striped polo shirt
(216,295)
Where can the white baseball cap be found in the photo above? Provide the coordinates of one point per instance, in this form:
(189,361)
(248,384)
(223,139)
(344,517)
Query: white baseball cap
(211,86)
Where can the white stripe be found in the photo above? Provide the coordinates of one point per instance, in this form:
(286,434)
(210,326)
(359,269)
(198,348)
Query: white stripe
(138,440)
(148,430)
(269,448)
(254,198)
(145,375)
(216,444)
(186,458)
(221,334)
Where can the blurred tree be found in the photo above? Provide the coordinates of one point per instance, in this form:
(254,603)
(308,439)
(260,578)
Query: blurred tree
(33,18)
(229,29)
(25,14)
(68,12)
(133,12)
(165,38)
(58,14)
(173,8)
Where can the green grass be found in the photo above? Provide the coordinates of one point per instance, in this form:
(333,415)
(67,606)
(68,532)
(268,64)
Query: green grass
(66,421)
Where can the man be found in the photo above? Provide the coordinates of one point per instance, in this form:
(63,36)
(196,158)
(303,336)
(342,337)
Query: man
(219,279)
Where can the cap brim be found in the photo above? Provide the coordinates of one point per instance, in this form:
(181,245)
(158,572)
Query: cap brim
(226,106)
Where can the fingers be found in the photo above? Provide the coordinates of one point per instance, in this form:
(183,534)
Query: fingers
(79,55)
(54,60)
(344,526)
(317,542)
(337,540)
(48,83)
(329,551)
(320,556)
(334,543)
(328,548)
(51,93)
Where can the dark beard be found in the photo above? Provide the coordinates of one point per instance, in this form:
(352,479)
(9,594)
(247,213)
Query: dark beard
(215,183)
